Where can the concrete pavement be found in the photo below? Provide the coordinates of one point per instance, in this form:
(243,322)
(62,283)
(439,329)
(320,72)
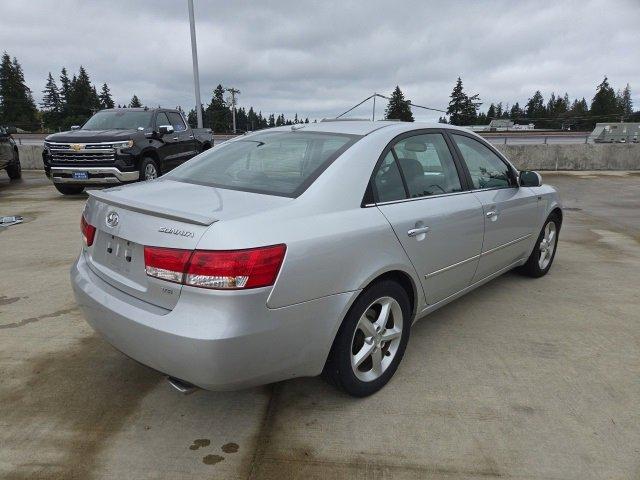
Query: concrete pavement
(527,379)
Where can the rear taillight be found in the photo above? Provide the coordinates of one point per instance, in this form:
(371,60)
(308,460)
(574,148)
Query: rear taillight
(226,269)
(88,231)
(166,263)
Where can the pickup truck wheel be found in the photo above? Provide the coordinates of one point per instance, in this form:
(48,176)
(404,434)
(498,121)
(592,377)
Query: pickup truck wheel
(14,170)
(69,189)
(148,169)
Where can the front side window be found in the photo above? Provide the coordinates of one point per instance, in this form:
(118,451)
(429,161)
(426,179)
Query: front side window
(486,168)
(177,121)
(427,165)
(162,120)
(275,163)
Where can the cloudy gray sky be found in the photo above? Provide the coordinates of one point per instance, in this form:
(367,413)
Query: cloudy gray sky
(319,58)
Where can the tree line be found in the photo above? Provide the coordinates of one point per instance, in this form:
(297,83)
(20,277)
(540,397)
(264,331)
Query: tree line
(218,116)
(558,112)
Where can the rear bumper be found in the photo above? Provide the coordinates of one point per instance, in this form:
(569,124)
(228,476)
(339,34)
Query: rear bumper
(215,340)
(97,175)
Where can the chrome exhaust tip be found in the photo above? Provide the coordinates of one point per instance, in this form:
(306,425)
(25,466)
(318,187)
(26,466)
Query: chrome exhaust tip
(182,386)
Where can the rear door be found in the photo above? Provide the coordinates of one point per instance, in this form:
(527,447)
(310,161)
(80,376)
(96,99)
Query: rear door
(419,189)
(186,139)
(510,211)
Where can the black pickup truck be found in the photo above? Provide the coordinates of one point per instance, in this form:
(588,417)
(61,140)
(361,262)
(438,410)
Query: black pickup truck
(121,145)
(9,159)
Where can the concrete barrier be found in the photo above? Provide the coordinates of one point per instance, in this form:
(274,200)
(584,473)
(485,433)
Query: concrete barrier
(30,157)
(573,157)
(524,157)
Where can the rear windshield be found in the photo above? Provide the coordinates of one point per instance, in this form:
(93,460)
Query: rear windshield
(118,119)
(275,163)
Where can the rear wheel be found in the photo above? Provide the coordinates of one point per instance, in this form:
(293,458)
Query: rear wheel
(371,341)
(14,170)
(540,260)
(148,169)
(69,189)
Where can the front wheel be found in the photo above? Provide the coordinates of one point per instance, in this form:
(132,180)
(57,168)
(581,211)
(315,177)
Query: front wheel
(14,170)
(371,341)
(540,260)
(148,169)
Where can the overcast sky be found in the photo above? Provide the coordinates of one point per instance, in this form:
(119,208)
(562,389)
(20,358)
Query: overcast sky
(320,58)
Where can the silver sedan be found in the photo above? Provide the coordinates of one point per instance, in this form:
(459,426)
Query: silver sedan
(304,250)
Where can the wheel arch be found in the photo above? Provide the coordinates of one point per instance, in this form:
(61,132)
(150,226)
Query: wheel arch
(151,153)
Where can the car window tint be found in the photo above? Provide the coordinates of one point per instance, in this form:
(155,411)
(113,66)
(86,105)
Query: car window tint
(388,182)
(427,165)
(177,121)
(486,168)
(162,120)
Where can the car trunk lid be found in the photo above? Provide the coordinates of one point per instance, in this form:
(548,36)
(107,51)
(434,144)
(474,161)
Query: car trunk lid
(160,213)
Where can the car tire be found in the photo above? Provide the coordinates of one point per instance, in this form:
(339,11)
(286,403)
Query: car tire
(541,258)
(149,169)
(69,189)
(358,344)
(14,170)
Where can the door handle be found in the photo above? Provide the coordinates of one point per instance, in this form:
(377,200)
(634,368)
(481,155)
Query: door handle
(492,213)
(175,138)
(191,136)
(414,232)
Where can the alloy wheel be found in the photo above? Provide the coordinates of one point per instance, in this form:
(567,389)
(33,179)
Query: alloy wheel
(150,172)
(376,339)
(547,245)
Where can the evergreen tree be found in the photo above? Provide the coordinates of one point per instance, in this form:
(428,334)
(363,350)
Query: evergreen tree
(535,109)
(625,104)
(272,120)
(106,101)
(218,114)
(463,110)
(516,113)
(135,102)
(83,99)
(491,113)
(398,108)
(442,120)
(604,104)
(51,104)
(17,107)
(65,90)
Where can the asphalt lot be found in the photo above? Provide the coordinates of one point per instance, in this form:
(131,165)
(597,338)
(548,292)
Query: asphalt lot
(526,379)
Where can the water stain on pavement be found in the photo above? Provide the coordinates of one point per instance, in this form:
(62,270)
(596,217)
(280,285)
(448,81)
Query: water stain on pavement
(27,321)
(230,447)
(212,459)
(9,300)
(199,443)
(87,390)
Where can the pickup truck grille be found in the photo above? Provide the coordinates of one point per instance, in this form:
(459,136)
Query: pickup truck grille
(68,152)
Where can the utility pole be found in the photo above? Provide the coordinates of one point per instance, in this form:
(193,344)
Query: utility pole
(233,92)
(194,55)
(373,115)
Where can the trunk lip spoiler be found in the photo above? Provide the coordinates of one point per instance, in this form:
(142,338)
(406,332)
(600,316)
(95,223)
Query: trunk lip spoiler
(142,207)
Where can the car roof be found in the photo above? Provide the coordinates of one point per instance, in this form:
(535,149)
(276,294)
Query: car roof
(364,127)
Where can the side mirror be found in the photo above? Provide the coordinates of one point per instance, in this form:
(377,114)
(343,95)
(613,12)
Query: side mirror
(12,130)
(164,129)
(530,178)
(75,127)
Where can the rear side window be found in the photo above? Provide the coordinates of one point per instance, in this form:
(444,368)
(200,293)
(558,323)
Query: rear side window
(427,165)
(276,163)
(486,168)
(177,121)
(388,182)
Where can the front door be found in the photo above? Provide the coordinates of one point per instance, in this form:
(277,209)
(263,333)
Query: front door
(440,226)
(169,151)
(510,211)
